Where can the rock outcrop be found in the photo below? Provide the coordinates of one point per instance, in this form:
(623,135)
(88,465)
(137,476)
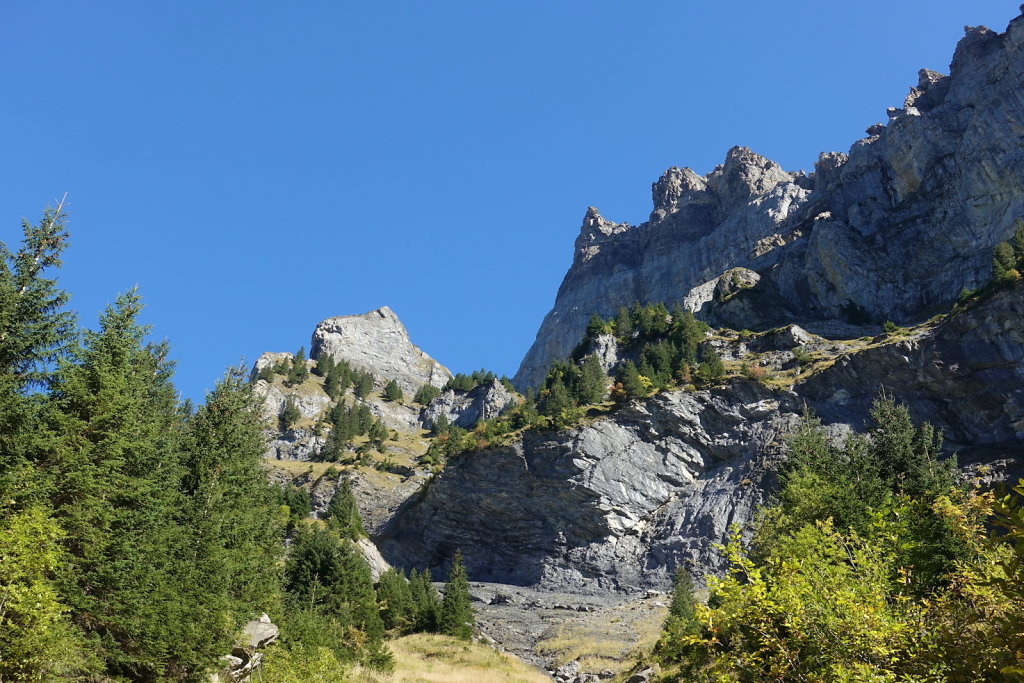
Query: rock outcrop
(890,230)
(377,342)
(620,502)
(616,504)
(466,408)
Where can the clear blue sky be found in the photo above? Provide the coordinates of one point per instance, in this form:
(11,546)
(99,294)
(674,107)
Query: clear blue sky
(256,167)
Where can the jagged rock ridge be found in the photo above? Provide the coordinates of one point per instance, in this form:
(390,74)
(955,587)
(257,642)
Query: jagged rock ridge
(897,226)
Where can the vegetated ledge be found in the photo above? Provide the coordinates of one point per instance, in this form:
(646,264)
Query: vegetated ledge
(620,500)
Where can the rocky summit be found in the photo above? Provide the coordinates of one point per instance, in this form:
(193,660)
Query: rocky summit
(377,342)
(893,228)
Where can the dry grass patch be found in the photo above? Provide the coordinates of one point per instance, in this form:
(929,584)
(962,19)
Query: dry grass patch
(428,658)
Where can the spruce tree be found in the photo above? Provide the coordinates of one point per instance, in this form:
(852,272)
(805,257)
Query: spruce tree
(234,545)
(682,619)
(343,513)
(290,414)
(593,382)
(395,599)
(35,331)
(393,392)
(117,460)
(427,602)
(456,617)
(633,385)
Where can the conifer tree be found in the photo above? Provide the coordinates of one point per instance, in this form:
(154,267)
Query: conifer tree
(362,384)
(395,598)
(633,385)
(592,383)
(393,392)
(456,616)
(35,331)
(119,470)
(298,372)
(234,545)
(290,414)
(425,394)
(343,514)
(426,600)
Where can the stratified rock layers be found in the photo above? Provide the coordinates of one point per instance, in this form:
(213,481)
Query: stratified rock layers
(897,226)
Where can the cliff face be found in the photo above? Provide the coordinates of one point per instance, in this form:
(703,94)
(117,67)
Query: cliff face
(622,501)
(612,505)
(895,227)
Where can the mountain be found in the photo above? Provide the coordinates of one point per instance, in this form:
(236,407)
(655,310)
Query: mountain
(888,231)
(870,276)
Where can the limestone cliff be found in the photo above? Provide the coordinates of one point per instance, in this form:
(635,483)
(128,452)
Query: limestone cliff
(377,342)
(620,502)
(897,226)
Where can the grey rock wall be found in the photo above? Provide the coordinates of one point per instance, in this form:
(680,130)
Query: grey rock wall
(895,227)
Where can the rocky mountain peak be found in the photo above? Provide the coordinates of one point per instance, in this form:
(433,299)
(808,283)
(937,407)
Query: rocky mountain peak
(675,185)
(595,231)
(377,342)
(744,176)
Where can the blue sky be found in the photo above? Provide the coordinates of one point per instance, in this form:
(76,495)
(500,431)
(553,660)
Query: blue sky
(256,167)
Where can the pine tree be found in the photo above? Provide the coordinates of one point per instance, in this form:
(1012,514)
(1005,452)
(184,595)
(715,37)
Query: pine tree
(343,513)
(456,617)
(393,392)
(593,383)
(234,541)
(395,599)
(34,332)
(426,601)
(290,414)
(119,470)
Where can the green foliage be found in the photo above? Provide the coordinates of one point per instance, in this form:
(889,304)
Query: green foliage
(425,394)
(116,455)
(299,370)
(37,641)
(456,616)
(396,603)
(329,576)
(870,565)
(593,384)
(632,384)
(343,513)
(232,575)
(462,382)
(362,383)
(682,620)
(889,327)
(1003,261)
(427,602)
(266,373)
(297,500)
(289,415)
(392,392)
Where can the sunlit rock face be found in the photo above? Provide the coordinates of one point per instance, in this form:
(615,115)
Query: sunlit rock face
(898,225)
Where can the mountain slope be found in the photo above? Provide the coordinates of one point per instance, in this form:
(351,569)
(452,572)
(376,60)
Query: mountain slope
(897,226)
